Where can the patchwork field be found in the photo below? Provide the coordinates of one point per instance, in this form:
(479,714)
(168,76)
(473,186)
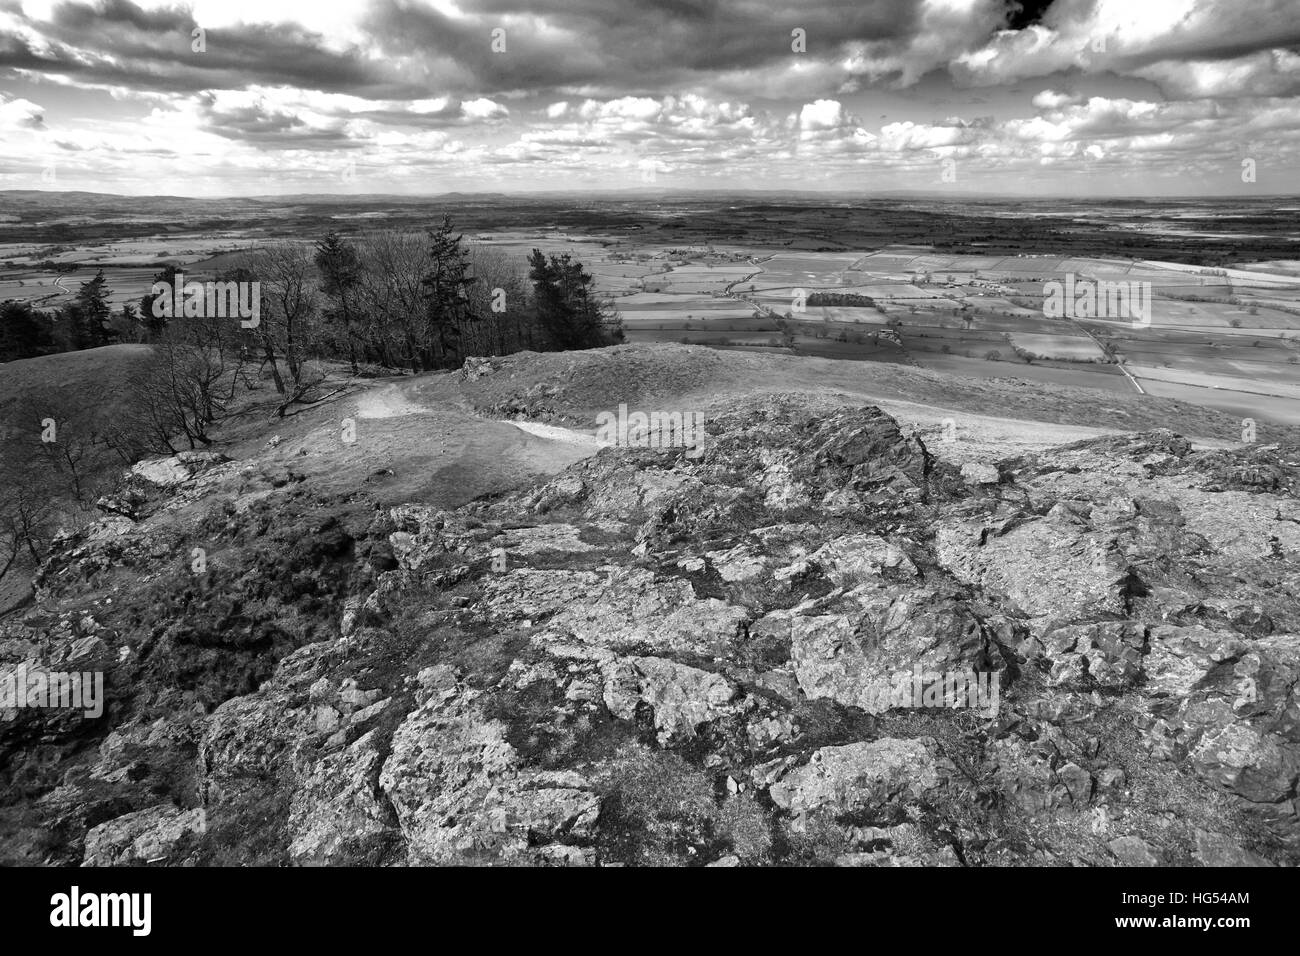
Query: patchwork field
(982,315)
(1079,348)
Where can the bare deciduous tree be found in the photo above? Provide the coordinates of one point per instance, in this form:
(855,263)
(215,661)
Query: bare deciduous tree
(290,329)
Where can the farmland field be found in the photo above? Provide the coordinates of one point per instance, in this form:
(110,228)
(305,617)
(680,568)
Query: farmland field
(1078,348)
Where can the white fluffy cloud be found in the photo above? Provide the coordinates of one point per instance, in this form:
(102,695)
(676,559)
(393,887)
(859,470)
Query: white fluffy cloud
(20,114)
(1052,100)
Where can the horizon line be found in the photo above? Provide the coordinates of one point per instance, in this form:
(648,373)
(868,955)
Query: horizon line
(678,191)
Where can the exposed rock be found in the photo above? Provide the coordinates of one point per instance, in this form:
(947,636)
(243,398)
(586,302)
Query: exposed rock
(1053,568)
(850,559)
(1134,851)
(475,368)
(145,836)
(176,469)
(675,662)
(862,776)
(1106,653)
(681,698)
(1217,849)
(859,658)
(630,610)
(979,473)
(338,814)
(460,794)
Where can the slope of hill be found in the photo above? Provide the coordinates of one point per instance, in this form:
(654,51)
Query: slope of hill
(397,629)
(90,378)
(570,388)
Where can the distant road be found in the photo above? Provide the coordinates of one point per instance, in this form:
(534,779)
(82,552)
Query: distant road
(1122,368)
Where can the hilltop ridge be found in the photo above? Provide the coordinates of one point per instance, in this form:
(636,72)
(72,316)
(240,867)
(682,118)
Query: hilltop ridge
(455,641)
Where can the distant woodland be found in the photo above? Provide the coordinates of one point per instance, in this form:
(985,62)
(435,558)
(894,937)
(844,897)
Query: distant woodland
(393,299)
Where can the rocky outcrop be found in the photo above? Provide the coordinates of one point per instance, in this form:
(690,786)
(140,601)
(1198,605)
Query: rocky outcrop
(656,657)
(860,777)
(145,836)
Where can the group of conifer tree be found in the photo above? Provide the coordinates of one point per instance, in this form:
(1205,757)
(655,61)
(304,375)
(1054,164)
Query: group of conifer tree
(387,299)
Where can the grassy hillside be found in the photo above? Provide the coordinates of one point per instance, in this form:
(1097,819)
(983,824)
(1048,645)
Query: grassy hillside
(570,388)
(93,378)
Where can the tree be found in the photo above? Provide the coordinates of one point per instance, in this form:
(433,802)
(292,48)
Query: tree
(154,325)
(289,331)
(184,389)
(447,299)
(24,332)
(126,325)
(91,312)
(27,512)
(787,334)
(502,321)
(51,450)
(568,311)
(340,269)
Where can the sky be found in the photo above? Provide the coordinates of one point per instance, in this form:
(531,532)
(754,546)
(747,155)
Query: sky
(1082,98)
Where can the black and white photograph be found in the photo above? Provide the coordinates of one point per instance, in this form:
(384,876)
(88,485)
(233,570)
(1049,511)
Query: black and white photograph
(585,435)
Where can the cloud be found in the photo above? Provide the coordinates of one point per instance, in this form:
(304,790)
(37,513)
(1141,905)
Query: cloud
(908,136)
(20,114)
(698,92)
(118,44)
(1051,100)
(822,115)
(1169,41)
(1263,73)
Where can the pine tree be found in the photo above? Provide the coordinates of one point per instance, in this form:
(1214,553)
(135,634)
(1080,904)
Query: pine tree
(446,287)
(90,317)
(340,269)
(24,332)
(155,325)
(568,311)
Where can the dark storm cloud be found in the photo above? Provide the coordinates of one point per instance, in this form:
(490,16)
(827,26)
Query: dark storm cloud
(116,43)
(626,46)
(110,14)
(15,52)
(598,48)
(614,47)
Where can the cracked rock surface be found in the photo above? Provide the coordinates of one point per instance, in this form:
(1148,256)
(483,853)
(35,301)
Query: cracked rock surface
(659,659)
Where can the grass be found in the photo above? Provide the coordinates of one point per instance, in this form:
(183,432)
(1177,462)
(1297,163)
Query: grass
(93,378)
